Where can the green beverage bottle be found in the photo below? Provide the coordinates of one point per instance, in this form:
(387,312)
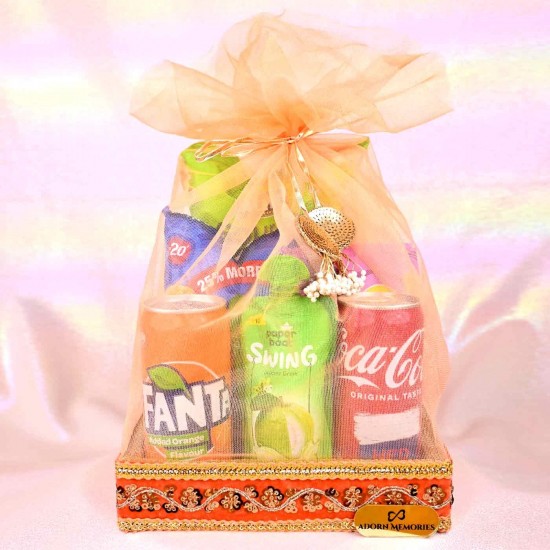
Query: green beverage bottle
(288,344)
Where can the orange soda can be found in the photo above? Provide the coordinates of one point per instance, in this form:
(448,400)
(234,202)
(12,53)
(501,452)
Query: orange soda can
(186,361)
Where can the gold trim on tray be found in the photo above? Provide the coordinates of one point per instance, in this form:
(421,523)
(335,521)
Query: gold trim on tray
(136,525)
(359,469)
(224,525)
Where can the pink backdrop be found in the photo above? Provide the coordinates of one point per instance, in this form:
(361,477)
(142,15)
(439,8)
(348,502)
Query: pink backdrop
(82,186)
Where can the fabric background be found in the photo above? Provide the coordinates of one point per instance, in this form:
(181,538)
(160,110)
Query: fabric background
(82,185)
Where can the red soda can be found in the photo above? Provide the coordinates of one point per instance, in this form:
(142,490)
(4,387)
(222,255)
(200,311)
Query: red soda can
(378,377)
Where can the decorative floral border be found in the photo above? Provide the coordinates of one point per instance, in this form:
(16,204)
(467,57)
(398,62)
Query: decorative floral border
(272,499)
(411,469)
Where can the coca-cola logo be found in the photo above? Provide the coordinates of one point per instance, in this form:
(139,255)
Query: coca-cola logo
(394,365)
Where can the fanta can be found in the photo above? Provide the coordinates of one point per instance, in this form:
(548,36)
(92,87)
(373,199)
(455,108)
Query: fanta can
(185,355)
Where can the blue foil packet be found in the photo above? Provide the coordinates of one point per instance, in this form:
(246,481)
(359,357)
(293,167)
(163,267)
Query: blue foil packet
(186,238)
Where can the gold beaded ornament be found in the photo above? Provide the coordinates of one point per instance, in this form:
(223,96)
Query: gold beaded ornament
(329,232)
(338,226)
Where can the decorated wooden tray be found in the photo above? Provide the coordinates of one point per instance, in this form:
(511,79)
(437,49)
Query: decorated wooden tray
(320,496)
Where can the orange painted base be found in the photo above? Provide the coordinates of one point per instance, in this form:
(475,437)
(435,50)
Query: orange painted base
(274,496)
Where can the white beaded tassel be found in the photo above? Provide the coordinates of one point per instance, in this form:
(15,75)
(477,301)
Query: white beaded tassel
(328,283)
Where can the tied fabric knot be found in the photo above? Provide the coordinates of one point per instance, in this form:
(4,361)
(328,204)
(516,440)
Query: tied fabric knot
(243,146)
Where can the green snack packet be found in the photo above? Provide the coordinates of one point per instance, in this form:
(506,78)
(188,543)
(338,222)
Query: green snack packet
(212,211)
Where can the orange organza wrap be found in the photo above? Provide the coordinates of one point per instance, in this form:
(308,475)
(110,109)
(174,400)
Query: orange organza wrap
(274,79)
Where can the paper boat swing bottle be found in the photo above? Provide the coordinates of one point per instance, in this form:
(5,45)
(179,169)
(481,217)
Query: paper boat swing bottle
(288,345)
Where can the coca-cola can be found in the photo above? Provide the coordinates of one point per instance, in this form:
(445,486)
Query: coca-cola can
(378,377)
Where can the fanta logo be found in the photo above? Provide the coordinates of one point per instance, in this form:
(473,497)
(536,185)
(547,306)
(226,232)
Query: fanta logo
(281,359)
(402,365)
(172,406)
(178,250)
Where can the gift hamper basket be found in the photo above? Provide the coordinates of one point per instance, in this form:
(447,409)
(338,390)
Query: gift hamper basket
(289,357)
